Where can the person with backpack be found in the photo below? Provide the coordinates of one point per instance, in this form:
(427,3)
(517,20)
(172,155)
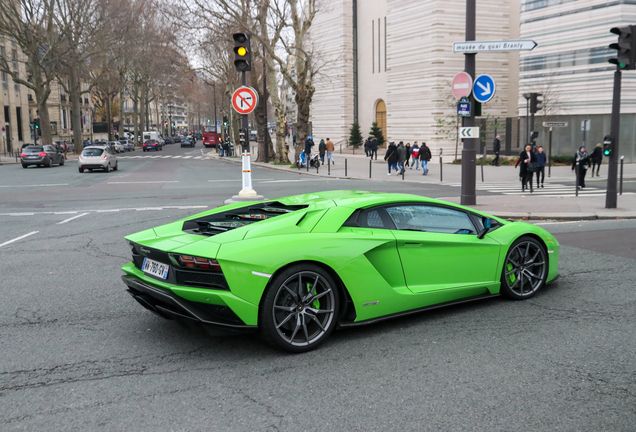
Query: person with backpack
(408,154)
(425,156)
(597,158)
(391,157)
(373,148)
(402,155)
(415,150)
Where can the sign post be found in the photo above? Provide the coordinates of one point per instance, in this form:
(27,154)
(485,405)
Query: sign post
(469,152)
(551,125)
(244,101)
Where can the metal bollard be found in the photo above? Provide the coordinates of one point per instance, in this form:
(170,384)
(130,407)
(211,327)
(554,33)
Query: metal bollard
(328,167)
(307,160)
(345,167)
(482,167)
(403,171)
(576,171)
(440,165)
(621,182)
(370,162)
(317,167)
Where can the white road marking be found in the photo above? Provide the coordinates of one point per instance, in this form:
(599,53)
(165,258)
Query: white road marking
(108,210)
(187,157)
(71,218)
(19,238)
(37,185)
(285,181)
(198,157)
(144,182)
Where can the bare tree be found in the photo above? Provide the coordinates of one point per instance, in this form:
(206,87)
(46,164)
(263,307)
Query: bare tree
(34,27)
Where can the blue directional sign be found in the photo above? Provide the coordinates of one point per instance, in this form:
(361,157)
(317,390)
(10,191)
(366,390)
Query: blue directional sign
(484,88)
(463,108)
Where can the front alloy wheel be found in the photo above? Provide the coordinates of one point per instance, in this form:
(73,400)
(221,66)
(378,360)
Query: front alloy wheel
(525,269)
(300,308)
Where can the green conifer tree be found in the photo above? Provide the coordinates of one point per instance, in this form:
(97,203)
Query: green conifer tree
(377,133)
(355,135)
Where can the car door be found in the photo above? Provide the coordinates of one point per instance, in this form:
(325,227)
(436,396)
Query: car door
(439,248)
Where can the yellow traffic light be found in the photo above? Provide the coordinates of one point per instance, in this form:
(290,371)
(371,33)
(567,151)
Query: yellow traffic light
(241,51)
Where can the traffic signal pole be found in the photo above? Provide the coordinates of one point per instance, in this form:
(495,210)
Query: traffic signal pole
(469,152)
(612,172)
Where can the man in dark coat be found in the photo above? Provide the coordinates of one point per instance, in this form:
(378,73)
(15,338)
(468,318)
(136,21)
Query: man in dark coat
(373,148)
(367,144)
(496,147)
(401,151)
(309,143)
(424,156)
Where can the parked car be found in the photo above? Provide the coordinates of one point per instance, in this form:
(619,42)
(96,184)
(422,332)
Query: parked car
(128,144)
(152,145)
(119,147)
(168,140)
(88,143)
(41,156)
(186,142)
(95,157)
(177,139)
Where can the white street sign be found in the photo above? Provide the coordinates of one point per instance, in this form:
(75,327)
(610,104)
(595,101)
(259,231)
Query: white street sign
(585,125)
(469,132)
(555,124)
(493,46)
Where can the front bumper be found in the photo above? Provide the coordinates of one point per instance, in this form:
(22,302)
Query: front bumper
(168,305)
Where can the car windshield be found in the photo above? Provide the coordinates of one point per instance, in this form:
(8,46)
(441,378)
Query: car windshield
(123,141)
(151,142)
(92,152)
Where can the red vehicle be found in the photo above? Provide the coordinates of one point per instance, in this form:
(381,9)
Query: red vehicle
(210,137)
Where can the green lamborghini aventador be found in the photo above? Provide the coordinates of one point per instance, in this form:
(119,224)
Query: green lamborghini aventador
(296,268)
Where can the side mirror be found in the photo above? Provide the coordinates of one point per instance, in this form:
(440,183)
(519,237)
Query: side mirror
(487,225)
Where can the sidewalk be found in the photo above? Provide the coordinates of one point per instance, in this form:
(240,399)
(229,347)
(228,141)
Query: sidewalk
(518,206)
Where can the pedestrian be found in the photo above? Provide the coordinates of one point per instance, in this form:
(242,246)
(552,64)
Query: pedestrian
(541,162)
(424,156)
(322,148)
(330,149)
(527,166)
(367,143)
(415,150)
(408,154)
(309,143)
(391,157)
(65,149)
(581,163)
(374,148)
(401,151)
(496,147)
(597,157)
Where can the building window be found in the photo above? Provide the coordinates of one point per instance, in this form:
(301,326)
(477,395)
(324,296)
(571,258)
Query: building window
(379,45)
(3,52)
(16,87)
(4,80)
(380,116)
(64,124)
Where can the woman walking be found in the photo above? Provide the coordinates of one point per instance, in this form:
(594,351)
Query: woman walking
(581,164)
(391,157)
(527,167)
(597,158)
(408,154)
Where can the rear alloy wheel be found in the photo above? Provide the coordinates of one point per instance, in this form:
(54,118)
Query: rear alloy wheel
(107,169)
(116,166)
(525,269)
(299,309)
(81,170)
(49,164)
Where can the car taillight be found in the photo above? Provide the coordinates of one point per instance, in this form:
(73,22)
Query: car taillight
(22,155)
(42,154)
(105,155)
(145,144)
(197,262)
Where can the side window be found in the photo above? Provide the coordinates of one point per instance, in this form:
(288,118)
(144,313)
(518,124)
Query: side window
(431,219)
(371,219)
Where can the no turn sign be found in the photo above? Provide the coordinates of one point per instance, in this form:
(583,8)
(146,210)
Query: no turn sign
(244,100)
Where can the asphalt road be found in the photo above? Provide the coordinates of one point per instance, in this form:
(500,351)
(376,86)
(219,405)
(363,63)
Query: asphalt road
(77,353)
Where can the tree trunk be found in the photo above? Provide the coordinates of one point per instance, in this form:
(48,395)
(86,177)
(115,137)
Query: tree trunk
(135,114)
(76,116)
(109,116)
(122,89)
(42,95)
(302,121)
(142,107)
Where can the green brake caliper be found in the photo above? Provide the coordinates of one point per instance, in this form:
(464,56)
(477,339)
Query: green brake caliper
(511,277)
(315,303)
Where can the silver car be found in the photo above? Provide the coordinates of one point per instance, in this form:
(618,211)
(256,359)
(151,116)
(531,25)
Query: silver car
(119,147)
(97,157)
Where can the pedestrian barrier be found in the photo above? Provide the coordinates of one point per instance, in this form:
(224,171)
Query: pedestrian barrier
(345,167)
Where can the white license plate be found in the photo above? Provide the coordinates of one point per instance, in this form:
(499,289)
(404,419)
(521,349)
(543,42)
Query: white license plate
(155,268)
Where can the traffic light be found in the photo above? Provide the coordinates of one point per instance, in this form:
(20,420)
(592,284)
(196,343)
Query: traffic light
(608,145)
(536,102)
(242,54)
(534,135)
(208,120)
(225,121)
(242,137)
(626,47)
(36,125)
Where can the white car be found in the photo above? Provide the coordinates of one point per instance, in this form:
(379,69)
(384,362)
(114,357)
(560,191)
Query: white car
(119,147)
(94,157)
